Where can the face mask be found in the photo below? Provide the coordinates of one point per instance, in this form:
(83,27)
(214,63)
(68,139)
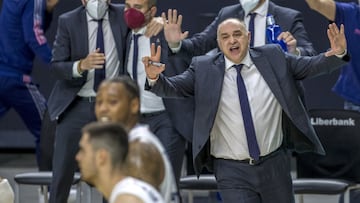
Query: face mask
(248,5)
(134,18)
(97,8)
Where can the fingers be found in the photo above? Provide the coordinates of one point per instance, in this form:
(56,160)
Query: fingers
(286,37)
(173,17)
(154,27)
(337,39)
(333,30)
(94,60)
(155,54)
(169,19)
(163,16)
(145,61)
(158,52)
(179,20)
(342,29)
(184,35)
(152,50)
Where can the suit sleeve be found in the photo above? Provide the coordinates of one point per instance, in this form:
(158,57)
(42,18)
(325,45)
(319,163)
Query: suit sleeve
(61,65)
(32,23)
(175,87)
(309,67)
(298,31)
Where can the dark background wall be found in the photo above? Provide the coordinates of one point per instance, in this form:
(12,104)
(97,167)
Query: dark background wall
(197,14)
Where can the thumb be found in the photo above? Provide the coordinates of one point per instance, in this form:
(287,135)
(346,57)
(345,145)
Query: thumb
(184,35)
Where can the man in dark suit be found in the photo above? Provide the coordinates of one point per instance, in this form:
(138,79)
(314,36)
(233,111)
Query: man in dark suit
(247,111)
(169,119)
(89,47)
(290,21)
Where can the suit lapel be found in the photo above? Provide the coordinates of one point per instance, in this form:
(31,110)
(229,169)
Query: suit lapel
(214,78)
(82,25)
(265,68)
(271,9)
(118,38)
(128,44)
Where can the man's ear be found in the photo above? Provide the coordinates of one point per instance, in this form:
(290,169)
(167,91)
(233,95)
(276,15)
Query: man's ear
(101,157)
(135,105)
(153,11)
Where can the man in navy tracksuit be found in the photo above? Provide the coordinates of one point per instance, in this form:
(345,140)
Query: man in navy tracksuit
(22,37)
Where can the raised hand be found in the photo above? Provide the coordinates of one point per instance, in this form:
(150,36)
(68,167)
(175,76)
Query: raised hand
(153,71)
(154,27)
(337,40)
(172,28)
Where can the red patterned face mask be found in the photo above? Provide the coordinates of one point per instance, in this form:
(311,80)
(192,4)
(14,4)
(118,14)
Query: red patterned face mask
(134,18)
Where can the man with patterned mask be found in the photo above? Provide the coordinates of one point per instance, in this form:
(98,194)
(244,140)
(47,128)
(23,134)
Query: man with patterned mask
(96,8)
(169,119)
(249,5)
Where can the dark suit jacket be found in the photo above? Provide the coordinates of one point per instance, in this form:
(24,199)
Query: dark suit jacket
(288,19)
(181,111)
(204,80)
(71,44)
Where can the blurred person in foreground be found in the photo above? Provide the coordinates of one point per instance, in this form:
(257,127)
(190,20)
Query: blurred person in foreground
(101,158)
(118,100)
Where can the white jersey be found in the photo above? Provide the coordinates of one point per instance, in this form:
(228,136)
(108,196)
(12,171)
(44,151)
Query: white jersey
(168,188)
(6,192)
(138,188)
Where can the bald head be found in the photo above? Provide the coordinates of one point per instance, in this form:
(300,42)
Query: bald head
(234,21)
(145,162)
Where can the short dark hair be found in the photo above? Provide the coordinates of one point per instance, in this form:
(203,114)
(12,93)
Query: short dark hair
(131,86)
(111,137)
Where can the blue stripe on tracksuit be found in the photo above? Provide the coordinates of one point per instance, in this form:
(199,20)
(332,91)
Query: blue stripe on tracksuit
(23,95)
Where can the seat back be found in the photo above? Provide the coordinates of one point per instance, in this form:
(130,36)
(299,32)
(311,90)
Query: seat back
(339,132)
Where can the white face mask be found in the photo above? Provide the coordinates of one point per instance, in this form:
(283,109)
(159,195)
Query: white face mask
(248,5)
(97,8)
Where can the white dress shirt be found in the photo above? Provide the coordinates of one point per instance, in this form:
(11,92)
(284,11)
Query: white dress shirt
(111,55)
(259,24)
(227,137)
(149,101)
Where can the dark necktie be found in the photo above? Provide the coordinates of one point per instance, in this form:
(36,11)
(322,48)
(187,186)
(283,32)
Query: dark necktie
(99,73)
(252,28)
(135,55)
(246,114)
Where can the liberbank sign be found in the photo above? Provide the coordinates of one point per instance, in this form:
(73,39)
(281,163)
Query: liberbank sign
(318,121)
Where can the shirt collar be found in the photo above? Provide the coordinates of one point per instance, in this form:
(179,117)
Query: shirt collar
(140,31)
(246,61)
(89,18)
(263,9)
